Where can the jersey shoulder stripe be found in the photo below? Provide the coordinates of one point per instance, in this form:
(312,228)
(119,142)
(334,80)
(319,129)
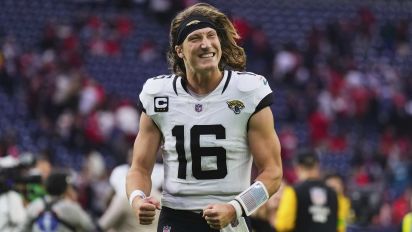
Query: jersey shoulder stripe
(229,76)
(174,85)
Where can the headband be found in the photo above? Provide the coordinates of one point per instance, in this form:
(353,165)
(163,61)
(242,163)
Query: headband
(193,23)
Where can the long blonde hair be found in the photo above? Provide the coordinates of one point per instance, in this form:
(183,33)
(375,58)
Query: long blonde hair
(233,56)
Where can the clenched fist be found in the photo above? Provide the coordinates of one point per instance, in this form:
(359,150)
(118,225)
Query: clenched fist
(218,216)
(145,209)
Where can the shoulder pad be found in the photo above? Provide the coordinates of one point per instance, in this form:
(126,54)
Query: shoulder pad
(154,85)
(249,82)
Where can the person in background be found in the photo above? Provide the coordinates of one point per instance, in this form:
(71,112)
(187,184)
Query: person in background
(336,182)
(406,225)
(12,211)
(310,205)
(119,216)
(60,201)
(212,120)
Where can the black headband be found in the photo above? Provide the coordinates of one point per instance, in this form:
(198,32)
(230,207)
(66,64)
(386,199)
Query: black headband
(193,23)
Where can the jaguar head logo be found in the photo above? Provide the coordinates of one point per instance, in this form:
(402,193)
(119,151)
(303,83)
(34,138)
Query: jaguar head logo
(236,106)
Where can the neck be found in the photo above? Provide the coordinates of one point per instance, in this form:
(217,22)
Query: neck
(205,82)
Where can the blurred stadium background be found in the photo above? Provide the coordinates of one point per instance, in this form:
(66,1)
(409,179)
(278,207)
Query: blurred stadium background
(71,71)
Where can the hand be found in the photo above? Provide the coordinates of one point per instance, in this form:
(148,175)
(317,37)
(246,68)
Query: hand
(218,216)
(145,209)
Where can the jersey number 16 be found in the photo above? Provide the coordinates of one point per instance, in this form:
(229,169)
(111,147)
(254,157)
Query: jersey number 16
(197,151)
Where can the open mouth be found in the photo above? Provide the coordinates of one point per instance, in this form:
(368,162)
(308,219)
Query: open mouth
(207,55)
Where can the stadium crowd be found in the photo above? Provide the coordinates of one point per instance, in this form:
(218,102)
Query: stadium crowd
(346,91)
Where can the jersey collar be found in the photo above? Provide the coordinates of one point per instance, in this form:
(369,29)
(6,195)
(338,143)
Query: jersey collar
(222,85)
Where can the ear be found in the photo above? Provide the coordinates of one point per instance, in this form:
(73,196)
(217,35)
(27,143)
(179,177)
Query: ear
(179,51)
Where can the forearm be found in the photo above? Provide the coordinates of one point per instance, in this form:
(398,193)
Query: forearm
(265,147)
(267,183)
(144,157)
(271,178)
(270,169)
(138,179)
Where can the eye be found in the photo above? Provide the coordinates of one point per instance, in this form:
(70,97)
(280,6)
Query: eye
(211,35)
(193,38)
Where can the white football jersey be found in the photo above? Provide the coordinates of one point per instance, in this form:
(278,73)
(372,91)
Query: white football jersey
(205,152)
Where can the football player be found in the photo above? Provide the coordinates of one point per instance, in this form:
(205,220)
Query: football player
(211,120)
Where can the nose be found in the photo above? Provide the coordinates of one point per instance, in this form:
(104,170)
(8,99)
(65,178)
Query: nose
(205,43)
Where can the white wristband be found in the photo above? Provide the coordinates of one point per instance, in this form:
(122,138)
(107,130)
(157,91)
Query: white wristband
(253,197)
(134,194)
(237,207)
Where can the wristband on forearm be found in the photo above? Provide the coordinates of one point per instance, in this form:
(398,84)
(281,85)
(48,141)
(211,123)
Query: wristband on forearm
(134,194)
(251,199)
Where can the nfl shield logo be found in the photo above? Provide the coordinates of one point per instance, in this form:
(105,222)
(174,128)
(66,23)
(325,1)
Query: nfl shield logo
(167,228)
(198,107)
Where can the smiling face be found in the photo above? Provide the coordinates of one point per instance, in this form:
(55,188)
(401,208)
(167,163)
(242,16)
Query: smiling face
(201,51)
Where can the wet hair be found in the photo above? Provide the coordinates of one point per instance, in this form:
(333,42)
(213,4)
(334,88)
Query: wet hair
(233,56)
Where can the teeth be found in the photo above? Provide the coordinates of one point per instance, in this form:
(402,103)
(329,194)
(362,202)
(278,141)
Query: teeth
(207,55)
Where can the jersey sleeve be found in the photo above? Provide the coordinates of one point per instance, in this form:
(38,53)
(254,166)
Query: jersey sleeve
(146,98)
(286,214)
(257,88)
(264,94)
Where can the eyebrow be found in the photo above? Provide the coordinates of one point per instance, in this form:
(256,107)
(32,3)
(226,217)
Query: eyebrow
(199,33)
